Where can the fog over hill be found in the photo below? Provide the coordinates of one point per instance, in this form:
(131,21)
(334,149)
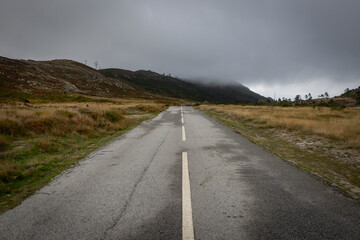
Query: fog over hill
(282,46)
(167,85)
(67,76)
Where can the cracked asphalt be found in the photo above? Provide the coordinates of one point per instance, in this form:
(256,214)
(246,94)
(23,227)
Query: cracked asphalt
(132,189)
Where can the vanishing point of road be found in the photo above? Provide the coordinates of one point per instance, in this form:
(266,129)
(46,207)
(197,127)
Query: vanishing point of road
(182,175)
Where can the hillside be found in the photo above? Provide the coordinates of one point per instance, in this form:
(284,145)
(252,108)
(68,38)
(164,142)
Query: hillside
(173,87)
(59,76)
(352,94)
(67,76)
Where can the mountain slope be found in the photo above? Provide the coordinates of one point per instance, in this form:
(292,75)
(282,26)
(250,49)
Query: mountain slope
(59,75)
(173,87)
(67,76)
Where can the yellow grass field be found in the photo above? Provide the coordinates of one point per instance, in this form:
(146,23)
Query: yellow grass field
(39,141)
(343,124)
(321,140)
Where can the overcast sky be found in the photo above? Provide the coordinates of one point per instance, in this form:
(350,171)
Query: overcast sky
(285,46)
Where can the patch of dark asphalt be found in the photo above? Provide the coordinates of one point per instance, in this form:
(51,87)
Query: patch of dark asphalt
(167,224)
(127,202)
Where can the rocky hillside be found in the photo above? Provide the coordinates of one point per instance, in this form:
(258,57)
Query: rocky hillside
(62,75)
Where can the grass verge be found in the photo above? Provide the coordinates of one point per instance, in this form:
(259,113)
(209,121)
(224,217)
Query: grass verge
(38,142)
(333,159)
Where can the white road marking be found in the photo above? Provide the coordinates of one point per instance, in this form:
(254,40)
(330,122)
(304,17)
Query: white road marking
(182,120)
(183,134)
(187,221)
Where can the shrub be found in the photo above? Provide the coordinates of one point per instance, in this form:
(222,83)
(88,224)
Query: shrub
(3,142)
(24,100)
(12,127)
(65,113)
(9,171)
(41,125)
(46,146)
(88,112)
(84,130)
(120,125)
(113,116)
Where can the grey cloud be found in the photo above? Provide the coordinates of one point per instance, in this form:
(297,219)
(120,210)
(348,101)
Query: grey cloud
(264,42)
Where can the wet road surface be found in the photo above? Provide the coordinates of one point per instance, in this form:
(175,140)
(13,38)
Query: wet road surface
(183,175)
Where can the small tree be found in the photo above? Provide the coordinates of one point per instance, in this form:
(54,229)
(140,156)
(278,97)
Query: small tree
(96,64)
(326,94)
(297,98)
(309,95)
(306,96)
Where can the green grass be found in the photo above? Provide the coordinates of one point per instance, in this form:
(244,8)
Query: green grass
(42,159)
(39,141)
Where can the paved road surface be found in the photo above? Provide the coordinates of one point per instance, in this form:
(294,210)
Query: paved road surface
(138,187)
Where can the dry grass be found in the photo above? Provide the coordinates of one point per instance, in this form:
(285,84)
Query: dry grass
(343,124)
(3,143)
(38,141)
(322,140)
(62,119)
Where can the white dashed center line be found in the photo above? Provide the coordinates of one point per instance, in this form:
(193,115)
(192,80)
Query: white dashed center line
(183,134)
(187,221)
(183,127)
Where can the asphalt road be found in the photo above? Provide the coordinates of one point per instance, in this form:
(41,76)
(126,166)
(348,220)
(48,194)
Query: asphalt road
(186,177)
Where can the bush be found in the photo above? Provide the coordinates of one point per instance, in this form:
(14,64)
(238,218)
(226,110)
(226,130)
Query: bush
(9,171)
(3,142)
(41,125)
(84,130)
(46,146)
(113,116)
(12,127)
(65,113)
(92,114)
(285,104)
(24,100)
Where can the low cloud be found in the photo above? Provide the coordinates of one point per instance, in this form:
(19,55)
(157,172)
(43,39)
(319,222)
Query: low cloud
(289,47)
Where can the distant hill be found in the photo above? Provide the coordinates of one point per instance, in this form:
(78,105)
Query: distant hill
(67,76)
(62,75)
(351,93)
(173,87)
